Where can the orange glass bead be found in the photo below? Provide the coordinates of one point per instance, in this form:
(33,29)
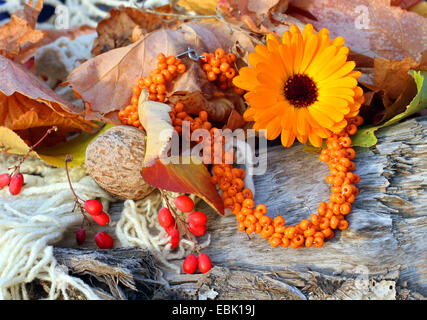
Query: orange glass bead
(247,193)
(275,241)
(241,226)
(333,223)
(171,60)
(211,76)
(181,68)
(219,53)
(267,231)
(265,221)
(278,221)
(318,242)
(285,242)
(261,208)
(343,224)
(304,224)
(248,203)
(230,74)
(345,208)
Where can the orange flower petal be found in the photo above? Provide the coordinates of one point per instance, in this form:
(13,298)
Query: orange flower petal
(247,79)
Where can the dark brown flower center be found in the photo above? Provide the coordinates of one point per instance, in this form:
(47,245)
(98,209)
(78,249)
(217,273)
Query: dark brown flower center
(300,90)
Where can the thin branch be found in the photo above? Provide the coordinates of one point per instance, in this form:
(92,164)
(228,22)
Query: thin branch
(16,168)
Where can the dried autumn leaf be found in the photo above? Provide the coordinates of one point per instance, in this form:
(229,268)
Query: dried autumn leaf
(218,108)
(125,26)
(19,36)
(259,15)
(370,27)
(392,75)
(27,103)
(105,82)
(393,85)
(365,136)
(171,172)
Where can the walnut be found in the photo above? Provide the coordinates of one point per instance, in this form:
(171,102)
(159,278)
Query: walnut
(115,159)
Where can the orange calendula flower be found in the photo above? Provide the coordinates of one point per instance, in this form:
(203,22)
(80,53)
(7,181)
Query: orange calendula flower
(301,87)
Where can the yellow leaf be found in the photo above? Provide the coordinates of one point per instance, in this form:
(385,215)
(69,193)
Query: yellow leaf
(420,8)
(204,7)
(12,143)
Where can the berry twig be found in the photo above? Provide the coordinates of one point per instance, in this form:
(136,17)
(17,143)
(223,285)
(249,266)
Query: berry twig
(15,180)
(95,209)
(180,219)
(17,167)
(77,199)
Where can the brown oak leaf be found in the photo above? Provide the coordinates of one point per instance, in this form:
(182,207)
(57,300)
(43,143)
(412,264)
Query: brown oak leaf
(28,104)
(393,88)
(125,26)
(18,37)
(370,27)
(260,16)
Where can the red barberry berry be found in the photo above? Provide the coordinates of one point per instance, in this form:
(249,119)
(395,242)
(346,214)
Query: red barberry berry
(190,264)
(16,183)
(197,218)
(81,236)
(103,240)
(198,230)
(184,203)
(4,180)
(102,219)
(93,207)
(174,234)
(204,263)
(165,218)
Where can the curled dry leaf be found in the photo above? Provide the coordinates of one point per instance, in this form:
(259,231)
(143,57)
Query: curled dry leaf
(393,88)
(27,103)
(125,26)
(365,136)
(218,108)
(18,37)
(158,125)
(105,82)
(172,172)
(260,16)
(370,27)
(392,75)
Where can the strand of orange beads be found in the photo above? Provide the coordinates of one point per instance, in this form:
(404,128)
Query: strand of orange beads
(220,67)
(167,70)
(178,116)
(217,154)
(321,225)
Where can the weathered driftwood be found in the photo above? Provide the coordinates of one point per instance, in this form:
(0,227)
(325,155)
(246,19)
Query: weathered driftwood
(122,273)
(381,256)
